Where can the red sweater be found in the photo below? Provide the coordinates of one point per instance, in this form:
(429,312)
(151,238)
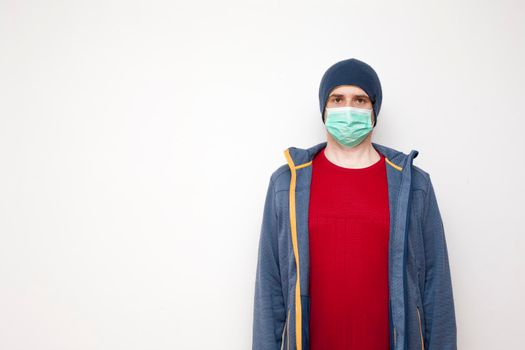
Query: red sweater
(348,240)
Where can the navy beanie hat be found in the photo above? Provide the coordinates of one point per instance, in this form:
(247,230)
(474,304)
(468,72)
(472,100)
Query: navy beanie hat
(351,72)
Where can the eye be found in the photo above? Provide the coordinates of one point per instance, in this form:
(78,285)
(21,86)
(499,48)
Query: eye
(337,99)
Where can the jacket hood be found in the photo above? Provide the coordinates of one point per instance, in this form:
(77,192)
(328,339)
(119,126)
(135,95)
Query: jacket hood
(304,155)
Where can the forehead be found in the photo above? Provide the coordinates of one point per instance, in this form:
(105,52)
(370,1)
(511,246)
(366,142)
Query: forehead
(348,90)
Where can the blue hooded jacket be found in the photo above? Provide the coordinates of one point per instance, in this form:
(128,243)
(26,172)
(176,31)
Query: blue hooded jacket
(421,311)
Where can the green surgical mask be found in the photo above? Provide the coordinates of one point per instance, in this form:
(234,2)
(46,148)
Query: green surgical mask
(348,125)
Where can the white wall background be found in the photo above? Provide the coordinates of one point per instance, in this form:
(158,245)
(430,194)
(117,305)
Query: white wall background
(137,140)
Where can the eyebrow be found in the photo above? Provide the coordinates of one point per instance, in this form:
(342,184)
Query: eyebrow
(341,95)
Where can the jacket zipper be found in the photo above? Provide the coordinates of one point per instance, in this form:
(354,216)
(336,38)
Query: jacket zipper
(395,336)
(295,245)
(420,329)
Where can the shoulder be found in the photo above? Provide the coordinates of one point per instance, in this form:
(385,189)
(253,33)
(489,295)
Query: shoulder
(281,178)
(420,178)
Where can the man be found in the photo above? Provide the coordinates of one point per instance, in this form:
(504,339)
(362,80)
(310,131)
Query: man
(352,251)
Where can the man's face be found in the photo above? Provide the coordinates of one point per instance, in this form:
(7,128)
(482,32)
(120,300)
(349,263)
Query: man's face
(349,95)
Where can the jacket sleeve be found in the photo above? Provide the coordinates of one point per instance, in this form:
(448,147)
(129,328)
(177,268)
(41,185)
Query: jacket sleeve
(269,310)
(438,301)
